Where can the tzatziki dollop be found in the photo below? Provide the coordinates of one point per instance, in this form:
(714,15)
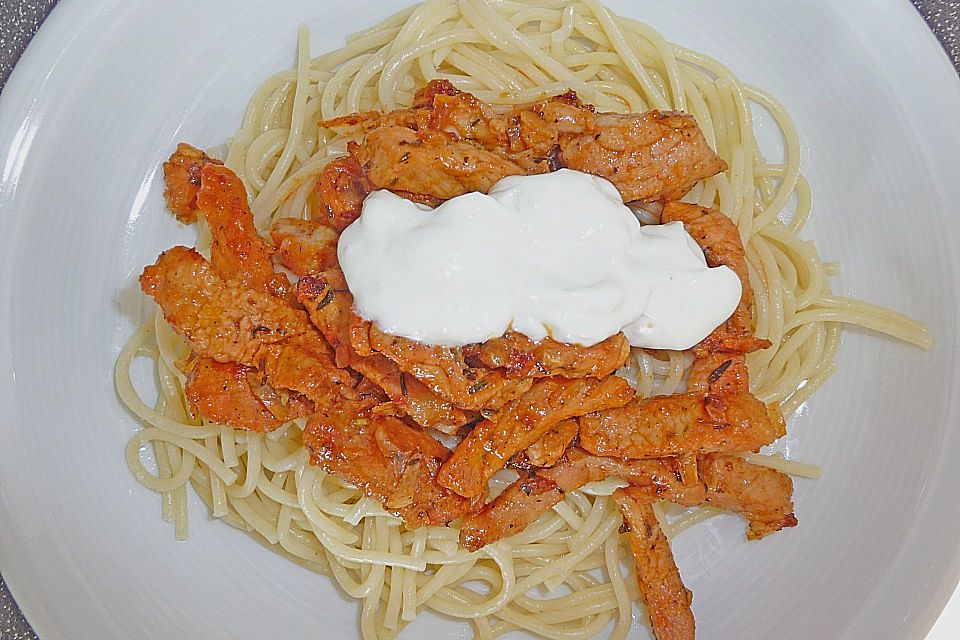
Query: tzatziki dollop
(556,254)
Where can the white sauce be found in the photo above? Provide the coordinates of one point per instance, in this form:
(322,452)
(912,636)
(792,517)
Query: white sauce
(555,254)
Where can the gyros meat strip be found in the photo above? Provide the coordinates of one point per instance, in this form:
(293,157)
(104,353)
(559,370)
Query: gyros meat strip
(338,196)
(668,600)
(304,364)
(181,174)
(227,392)
(411,397)
(516,133)
(218,391)
(763,495)
(522,357)
(719,365)
(387,459)
(442,369)
(492,443)
(656,156)
(401,159)
(305,246)
(223,320)
(728,482)
(719,374)
(683,423)
(551,446)
(520,505)
(237,251)
(232,323)
(232,394)
(329,303)
(524,501)
(223,392)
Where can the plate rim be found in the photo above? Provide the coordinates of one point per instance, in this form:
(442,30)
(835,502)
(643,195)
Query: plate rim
(16,105)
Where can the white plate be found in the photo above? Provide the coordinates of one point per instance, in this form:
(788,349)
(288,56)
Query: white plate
(109,86)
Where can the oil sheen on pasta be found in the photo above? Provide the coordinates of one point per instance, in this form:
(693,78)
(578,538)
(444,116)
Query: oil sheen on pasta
(555,254)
